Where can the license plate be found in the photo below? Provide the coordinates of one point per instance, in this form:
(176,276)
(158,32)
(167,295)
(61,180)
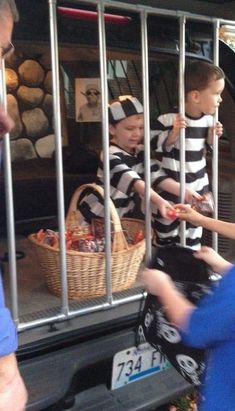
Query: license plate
(135,363)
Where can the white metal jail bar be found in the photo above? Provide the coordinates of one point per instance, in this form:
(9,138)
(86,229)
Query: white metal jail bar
(65,313)
(215,161)
(9,205)
(182,22)
(215,167)
(105,141)
(58,152)
(145,88)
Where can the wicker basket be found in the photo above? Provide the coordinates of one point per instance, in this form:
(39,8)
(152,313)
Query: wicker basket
(85,270)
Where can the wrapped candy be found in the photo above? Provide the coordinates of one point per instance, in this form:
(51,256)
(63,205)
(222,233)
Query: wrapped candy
(87,245)
(48,237)
(204,206)
(82,239)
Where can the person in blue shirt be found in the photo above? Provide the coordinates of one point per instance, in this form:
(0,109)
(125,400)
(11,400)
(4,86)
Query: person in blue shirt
(13,394)
(211,324)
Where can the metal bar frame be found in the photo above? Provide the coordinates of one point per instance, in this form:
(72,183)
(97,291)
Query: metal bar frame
(58,151)
(144,11)
(215,174)
(105,139)
(9,205)
(145,86)
(182,22)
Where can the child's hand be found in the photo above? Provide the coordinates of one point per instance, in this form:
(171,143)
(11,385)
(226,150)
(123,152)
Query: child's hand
(179,123)
(218,129)
(158,283)
(166,209)
(213,259)
(190,195)
(153,280)
(185,212)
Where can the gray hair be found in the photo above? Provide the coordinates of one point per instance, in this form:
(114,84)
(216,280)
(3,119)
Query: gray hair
(9,6)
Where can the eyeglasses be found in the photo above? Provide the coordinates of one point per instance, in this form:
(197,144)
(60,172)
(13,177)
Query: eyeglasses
(94,93)
(7,51)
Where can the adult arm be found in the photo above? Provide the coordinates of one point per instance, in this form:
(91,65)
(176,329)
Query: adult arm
(13,394)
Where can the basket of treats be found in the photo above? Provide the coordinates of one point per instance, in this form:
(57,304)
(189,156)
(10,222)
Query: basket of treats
(85,251)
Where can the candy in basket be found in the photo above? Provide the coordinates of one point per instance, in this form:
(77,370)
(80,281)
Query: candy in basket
(86,238)
(85,254)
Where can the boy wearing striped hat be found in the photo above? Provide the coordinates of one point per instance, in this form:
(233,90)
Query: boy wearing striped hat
(126,154)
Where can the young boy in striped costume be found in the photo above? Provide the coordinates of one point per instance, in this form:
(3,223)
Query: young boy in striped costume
(204,83)
(126,155)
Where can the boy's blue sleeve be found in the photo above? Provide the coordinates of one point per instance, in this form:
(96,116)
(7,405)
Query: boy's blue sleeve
(213,321)
(8,334)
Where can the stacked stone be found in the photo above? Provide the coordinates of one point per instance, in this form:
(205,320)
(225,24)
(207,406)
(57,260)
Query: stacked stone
(29,100)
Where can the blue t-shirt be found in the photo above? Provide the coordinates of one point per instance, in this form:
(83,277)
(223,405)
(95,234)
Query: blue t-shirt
(8,334)
(212,326)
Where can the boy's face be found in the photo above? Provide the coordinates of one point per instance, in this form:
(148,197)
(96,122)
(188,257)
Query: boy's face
(209,99)
(128,133)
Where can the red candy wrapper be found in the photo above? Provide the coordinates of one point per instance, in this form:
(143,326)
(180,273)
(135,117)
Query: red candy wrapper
(172,214)
(87,239)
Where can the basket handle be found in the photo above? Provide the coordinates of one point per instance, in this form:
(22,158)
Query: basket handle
(119,240)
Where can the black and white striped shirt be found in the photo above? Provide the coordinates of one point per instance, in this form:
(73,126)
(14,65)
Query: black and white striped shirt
(196,177)
(125,170)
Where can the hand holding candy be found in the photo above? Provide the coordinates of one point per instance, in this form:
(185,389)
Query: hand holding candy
(172,214)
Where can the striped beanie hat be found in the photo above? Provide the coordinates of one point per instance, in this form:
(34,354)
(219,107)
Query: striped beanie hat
(123,107)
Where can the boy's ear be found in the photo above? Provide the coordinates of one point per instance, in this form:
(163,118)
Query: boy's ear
(111,129)
(195,95)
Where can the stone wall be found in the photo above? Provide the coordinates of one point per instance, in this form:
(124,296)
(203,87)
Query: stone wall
(29,100)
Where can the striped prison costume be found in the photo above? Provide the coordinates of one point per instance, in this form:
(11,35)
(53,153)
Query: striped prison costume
(196,178)
(125,170)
